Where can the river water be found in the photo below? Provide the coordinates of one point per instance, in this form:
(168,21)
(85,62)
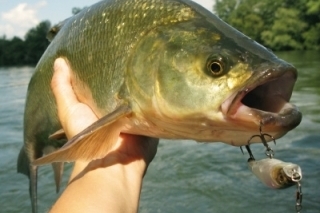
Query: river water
(185,176)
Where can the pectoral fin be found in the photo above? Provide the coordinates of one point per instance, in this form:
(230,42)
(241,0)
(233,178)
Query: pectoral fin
(92,143)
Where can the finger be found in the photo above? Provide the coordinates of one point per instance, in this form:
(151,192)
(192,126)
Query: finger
(61,85)
(73,115)
(62,89)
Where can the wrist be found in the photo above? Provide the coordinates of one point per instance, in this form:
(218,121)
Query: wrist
(103,186)
(129,167)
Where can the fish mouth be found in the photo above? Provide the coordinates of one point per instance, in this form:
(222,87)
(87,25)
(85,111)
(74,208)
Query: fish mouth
(265,101)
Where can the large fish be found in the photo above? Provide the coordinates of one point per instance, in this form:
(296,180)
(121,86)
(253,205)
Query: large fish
(160,68)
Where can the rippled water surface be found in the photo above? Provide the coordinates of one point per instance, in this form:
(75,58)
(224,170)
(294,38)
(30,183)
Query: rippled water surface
(185,176)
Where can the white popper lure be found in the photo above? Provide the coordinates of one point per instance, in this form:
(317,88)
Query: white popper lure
(275,173)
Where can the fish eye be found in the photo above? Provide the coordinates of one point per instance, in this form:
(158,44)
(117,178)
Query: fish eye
(215,67)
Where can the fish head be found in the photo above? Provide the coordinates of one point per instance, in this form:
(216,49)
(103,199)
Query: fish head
(204,80)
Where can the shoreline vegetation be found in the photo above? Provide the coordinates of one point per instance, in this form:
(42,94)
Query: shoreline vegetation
(27,51)
(279,25)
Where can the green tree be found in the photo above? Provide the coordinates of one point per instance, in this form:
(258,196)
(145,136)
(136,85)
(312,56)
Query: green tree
(249,16)
(36,42)
(285,33)
(28,51)
(16,51)
(312,37)
(313,7)
(12,51)
(312,34)
(280,25)
(224,8)
(3,44)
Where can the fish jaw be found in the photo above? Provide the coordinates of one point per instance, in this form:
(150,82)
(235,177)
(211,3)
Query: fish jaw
(264,101)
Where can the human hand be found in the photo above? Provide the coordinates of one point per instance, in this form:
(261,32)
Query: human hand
(131,153)
(76,116)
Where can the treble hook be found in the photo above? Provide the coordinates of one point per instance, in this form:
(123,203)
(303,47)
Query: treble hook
(269,151)
(249,151)
(264,141)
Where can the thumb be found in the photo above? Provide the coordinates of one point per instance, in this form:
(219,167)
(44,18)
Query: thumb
(73,115)
(61,85)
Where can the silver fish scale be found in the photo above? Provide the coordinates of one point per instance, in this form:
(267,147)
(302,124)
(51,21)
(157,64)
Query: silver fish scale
(107,32)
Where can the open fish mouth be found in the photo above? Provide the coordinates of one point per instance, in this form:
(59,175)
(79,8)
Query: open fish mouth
(265,101)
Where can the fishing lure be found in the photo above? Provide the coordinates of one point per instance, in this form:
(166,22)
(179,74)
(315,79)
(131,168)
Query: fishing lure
(275,173)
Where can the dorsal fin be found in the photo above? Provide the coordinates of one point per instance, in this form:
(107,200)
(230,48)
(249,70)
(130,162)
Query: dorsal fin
(55,29)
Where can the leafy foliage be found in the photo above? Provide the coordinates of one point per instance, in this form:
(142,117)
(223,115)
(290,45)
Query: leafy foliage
(279,25)
(16,51)
(36,42)
(11,51)
(25,52)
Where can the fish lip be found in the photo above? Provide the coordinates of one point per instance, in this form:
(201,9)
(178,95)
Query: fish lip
(264,100)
